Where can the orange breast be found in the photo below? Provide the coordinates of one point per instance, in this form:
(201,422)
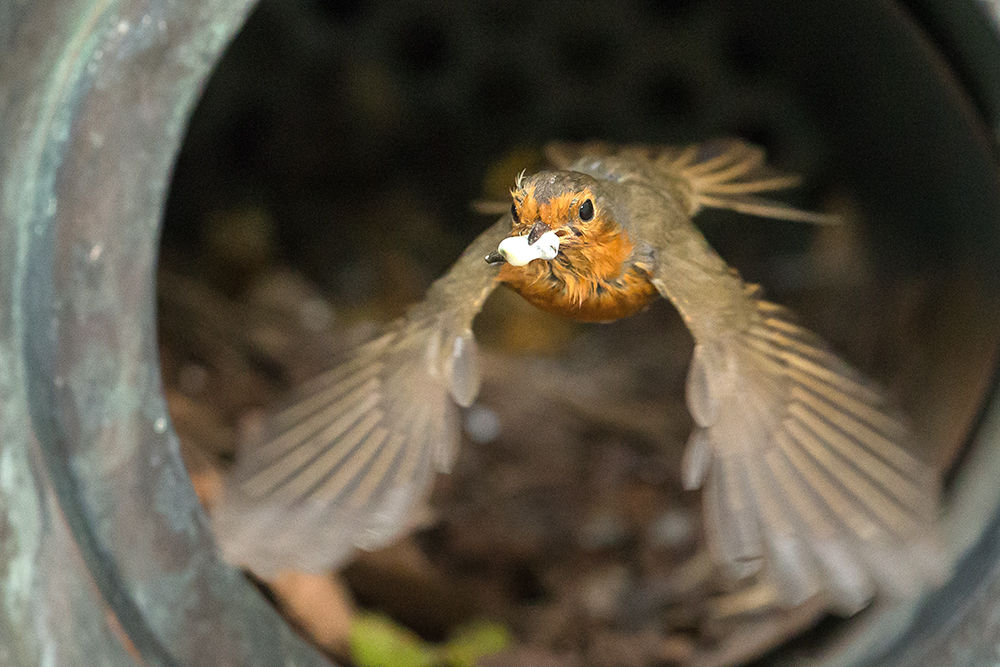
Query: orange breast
(557,289)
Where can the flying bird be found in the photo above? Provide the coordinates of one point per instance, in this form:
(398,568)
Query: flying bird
(806,478)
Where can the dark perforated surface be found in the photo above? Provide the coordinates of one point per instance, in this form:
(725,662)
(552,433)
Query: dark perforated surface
(318,106)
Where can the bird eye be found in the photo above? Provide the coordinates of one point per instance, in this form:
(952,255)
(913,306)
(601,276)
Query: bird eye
(513,212)
(587,211)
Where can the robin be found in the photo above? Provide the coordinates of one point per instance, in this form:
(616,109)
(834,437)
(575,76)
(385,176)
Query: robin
(806,480)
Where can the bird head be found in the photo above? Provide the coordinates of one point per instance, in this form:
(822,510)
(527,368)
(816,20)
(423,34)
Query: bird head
(567,254)
(553,213)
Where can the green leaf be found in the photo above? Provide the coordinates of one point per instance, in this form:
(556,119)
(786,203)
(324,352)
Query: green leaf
(475,641)
(377,641)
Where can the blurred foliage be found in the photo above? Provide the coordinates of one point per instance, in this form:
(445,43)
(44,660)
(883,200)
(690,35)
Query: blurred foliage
(376,641)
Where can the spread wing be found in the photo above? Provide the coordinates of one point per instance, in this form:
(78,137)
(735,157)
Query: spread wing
(343,464)
(807,480)
(805,471)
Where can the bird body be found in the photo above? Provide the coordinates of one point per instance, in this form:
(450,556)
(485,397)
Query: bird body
(806,480)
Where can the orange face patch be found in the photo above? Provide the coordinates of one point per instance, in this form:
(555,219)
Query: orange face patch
(555,212)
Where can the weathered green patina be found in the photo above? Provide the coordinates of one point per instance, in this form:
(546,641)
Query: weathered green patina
(105,555)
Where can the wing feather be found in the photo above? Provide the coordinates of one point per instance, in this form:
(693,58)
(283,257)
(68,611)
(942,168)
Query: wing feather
(725,173)
(823,474)
(728,173)
(344,463)
(731,508)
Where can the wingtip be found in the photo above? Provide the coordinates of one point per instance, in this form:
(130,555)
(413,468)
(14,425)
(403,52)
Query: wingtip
(267,538)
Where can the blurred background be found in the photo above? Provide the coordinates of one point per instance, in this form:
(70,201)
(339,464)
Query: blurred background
(328,176)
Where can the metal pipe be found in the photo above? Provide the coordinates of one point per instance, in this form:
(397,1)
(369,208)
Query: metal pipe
(107,558)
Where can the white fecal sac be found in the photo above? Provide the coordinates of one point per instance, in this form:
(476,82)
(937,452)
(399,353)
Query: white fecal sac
(517,252)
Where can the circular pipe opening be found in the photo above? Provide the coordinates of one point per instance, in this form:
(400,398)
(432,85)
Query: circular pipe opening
(351,145)
(345,105)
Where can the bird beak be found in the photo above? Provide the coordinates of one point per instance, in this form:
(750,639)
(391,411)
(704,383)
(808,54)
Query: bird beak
(536,232)
(518,253)
(519,250)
